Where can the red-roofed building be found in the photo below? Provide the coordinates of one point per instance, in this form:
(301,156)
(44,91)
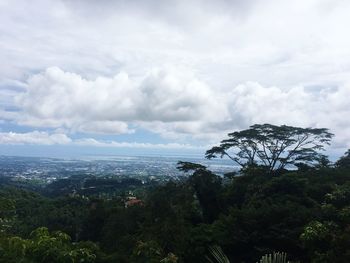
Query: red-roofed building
(133,202)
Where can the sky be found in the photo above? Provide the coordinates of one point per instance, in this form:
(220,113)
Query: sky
(84,76)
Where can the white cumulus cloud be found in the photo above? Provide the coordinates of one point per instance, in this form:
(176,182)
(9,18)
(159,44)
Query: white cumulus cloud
(45,138)
(34,138)
(60,99)
(175,103)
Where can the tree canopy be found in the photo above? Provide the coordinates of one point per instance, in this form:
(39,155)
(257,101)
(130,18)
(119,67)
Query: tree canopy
(344,161)
(274,147)
(198,217)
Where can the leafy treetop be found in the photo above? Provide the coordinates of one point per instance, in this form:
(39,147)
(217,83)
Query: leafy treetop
(344,161)
(274,147)
(188,166)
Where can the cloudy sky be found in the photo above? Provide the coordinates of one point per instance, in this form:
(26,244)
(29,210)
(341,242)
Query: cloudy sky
(106,76)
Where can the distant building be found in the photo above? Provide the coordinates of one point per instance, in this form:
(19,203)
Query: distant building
(133,202)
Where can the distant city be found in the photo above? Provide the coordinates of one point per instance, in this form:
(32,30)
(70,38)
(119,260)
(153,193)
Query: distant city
(145,168)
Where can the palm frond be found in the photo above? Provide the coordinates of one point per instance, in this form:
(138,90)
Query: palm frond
(219,255)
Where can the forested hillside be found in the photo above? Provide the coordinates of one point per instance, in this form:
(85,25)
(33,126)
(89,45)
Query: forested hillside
(300,206)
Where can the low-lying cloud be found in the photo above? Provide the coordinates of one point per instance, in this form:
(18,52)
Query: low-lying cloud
(34,138)
(45,138)
(174,103)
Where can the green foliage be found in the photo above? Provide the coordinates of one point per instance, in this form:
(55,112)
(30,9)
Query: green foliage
(44,247)
(147,251)
(151,252)
(304,212)
(7,214)
(340,196)
(273,147)
(317,231)
(276,257)
(344,161)
(207,187)
(218,255)
(326,239)
(188,166)
(170,258)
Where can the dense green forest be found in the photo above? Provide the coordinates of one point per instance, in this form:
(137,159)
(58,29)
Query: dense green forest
(286,197)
